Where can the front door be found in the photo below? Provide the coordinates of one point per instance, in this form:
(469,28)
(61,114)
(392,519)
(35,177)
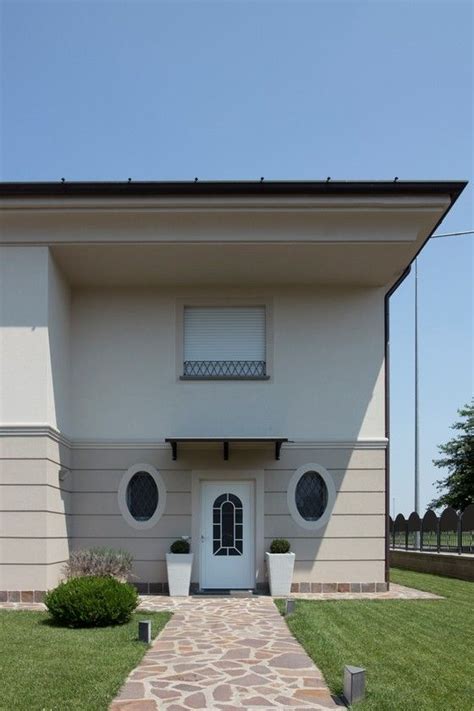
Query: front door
(227,535)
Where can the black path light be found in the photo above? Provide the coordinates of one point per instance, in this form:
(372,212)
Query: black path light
(144,631)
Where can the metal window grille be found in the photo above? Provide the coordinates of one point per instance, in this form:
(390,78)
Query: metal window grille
(142,496)
(311,496)
(227,524)
(225,368)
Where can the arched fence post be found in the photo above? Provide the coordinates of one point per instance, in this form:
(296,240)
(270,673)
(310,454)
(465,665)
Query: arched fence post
(400,532)
(448,535)
(466,529)
(429,531)
(413,531)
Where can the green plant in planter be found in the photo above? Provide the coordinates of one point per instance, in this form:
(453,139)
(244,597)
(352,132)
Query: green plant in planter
(180,546)
(280,545)
(92,601)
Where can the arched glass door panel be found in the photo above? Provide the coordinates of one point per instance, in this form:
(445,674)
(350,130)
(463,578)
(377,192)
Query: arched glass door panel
(227,525)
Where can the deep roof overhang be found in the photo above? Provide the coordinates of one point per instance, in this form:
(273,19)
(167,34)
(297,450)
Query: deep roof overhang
(215,233)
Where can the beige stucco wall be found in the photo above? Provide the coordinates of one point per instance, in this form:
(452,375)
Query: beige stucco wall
(34,339)
(34,396)
(89,382)
(327,380)
(34,511)
(43,518)
(349,549)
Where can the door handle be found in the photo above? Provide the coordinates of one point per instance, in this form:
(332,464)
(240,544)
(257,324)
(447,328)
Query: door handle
(203,538)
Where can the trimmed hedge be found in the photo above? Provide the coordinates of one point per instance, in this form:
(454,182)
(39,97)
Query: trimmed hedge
(92,601)
(180,546)
(280,545)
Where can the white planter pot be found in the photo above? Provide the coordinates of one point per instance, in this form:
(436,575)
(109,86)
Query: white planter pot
(280,573)
(179,573)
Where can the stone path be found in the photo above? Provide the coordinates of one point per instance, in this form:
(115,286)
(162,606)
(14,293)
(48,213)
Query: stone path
(223,653)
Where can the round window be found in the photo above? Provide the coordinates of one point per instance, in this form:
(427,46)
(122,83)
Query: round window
(142,496)
(311,495)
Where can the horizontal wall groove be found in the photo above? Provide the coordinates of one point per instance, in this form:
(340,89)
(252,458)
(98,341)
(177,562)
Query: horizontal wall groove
(54,562)
(288,515)
(36,459)
(330,538)
(115,491)
(121,538)
(30,511)
(119,515)
(35,538)
(338,491)
(45,484)
(340,560)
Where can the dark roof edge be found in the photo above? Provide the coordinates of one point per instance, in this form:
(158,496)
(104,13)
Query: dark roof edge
(302,188)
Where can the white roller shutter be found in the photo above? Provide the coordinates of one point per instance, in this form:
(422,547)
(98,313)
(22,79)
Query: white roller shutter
(224,333)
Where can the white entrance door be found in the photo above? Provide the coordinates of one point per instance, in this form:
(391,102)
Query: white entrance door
(227,535)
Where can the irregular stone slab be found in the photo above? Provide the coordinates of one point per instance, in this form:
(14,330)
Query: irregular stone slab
(291,661)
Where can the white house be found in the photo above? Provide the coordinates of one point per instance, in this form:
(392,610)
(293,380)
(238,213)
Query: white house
(204,360)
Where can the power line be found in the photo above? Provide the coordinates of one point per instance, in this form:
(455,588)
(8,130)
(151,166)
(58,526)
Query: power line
(453,234)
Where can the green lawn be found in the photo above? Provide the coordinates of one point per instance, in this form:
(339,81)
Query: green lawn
(44,667)
(419,654)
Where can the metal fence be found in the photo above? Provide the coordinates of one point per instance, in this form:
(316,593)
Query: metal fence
(451,532)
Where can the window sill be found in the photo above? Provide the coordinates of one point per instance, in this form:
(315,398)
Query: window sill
(224,377)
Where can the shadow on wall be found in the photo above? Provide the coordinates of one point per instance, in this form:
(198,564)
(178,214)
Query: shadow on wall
(327,381)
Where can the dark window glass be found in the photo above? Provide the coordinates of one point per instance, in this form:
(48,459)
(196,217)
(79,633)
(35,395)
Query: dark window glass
(227,510)
(142,496)
(227,524)
(311,496)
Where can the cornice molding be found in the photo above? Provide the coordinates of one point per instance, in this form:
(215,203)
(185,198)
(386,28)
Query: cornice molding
(226,204)
(52,433)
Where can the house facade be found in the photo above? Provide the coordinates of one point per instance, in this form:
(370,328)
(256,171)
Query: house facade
(201,360)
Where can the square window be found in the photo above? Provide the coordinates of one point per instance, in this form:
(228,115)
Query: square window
(224,342)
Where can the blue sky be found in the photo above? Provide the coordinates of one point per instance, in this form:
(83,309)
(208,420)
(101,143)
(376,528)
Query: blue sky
(287,90)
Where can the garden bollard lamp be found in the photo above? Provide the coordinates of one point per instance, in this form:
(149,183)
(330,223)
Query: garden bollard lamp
(354,684)
(290,606)
(144,631)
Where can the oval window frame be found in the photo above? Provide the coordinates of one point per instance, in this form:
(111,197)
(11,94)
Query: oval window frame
(291,496)
(122,496)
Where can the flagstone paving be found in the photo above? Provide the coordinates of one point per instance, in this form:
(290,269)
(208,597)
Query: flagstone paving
(224,653)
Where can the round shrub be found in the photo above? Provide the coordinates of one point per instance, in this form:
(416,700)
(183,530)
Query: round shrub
(180,546)
(280,545)
(92,601)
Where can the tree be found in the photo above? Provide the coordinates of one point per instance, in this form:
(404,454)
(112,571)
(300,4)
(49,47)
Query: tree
(458,486)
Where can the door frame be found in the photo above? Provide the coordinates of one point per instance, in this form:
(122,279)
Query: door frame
(237,475)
